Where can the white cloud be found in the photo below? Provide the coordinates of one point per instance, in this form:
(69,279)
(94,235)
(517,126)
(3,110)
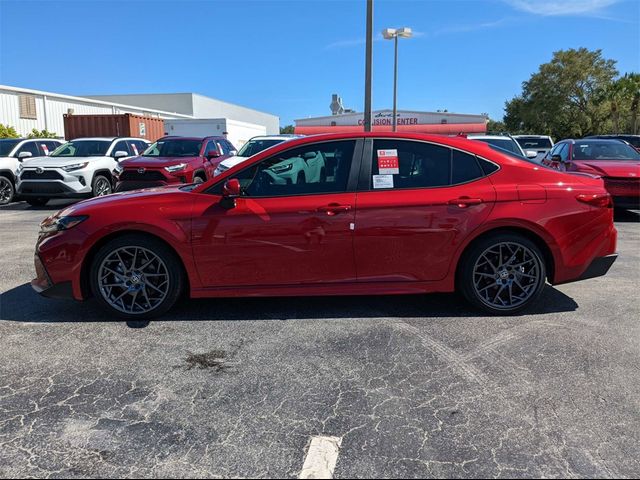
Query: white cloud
(561,7)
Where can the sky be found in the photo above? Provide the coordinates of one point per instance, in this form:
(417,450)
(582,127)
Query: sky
(287,57)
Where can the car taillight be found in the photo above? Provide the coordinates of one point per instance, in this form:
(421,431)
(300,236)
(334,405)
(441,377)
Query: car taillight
(602,200)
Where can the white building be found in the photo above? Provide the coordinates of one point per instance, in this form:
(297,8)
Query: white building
(26,109)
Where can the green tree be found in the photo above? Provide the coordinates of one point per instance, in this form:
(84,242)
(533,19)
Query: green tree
(7,132)
(494,126)
(287,129)
(563,98)
(623,97)
(35,133)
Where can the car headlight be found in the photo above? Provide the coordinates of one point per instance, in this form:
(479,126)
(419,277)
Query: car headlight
(176,168)
(75,166)
(20,168)
(282,168)
(57,224)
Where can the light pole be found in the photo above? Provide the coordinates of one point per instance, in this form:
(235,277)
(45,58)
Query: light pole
(367,66)
(394,34)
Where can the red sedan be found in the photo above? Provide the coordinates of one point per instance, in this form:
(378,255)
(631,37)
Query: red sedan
(615,161)
(383,213)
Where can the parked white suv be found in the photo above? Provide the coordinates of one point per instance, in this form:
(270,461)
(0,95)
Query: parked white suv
(78,169)
(542,144)
(506,142)
(12,152)
(253,146)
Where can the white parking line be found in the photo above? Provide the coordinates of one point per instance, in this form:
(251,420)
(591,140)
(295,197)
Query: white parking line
(321,457)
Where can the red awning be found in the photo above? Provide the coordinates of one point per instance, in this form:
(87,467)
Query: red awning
(439,128)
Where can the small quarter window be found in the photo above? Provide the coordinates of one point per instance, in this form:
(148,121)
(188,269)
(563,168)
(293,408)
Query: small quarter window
(465,168)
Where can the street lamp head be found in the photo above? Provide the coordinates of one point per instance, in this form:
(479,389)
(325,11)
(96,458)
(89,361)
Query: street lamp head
(389,33)
(404,32)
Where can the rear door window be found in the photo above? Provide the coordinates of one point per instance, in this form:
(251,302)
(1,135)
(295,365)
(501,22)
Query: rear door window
(121,146)
(465,168)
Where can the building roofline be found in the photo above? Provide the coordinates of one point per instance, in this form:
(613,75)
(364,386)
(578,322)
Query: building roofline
(90,100)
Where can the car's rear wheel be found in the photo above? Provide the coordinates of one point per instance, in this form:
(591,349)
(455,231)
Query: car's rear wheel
(6,190)
(37,201)
(503,274)
(135,276)
(101,186)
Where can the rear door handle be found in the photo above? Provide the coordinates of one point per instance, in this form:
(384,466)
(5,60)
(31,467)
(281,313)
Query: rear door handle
(334,209)
(464,202)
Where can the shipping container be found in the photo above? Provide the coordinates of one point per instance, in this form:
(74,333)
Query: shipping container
(121,125)
(237,132)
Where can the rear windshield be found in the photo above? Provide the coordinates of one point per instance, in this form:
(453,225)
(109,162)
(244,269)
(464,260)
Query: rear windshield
(604,150)
(534,143)
(256,146)
(174,148)
(82,148)
(6,146)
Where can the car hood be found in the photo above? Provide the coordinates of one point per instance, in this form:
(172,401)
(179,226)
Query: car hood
(609,168)
(154,162)
(233,161)
(58,161)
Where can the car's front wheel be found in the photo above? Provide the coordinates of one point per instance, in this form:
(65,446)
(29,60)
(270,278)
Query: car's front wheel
(136,277)
(503,274)
(6,190)
(101,186)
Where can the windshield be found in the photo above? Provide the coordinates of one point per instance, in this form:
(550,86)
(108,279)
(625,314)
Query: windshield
(604,150)
(503,143)
(534,143)
(256,146)
(82,148)
(175,147)
(6,146)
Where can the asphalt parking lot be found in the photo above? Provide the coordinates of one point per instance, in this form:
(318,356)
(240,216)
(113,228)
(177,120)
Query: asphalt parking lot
(417,386)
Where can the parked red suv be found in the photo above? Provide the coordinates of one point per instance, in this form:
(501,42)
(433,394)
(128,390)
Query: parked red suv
(388,214)
(173,160)
(614,160)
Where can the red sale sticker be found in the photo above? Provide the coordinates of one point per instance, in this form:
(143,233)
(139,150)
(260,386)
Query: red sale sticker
(388,162)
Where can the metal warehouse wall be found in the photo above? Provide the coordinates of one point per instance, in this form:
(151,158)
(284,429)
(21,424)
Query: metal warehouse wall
(199,106)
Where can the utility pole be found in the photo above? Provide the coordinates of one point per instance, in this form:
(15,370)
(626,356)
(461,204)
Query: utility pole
(368,62)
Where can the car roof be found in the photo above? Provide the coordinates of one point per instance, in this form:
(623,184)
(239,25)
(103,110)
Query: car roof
(275,137)
(473,136)
(531,136)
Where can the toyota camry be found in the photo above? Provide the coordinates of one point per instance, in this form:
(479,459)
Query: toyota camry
(389,214)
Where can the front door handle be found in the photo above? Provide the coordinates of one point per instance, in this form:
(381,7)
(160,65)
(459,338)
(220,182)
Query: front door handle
(334,209)
(464,202)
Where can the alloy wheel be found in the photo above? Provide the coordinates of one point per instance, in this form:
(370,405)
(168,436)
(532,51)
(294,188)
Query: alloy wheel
(102,187)
(506,275)
(133,280)
(6,191)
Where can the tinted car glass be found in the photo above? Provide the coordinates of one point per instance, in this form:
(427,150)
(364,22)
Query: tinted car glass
(139,145)
(6,146)
(505,144)
(51,146)
(211,147)
(533,143)
(174,147)
(255,146)
(121,146)
(465,168)
(604,150)
(82,148)
(31,147)
(563,151)
(419,164)
(317,168)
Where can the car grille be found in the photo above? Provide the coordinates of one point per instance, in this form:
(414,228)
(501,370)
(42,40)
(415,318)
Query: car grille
(148,176)
(46,175)
(48,188)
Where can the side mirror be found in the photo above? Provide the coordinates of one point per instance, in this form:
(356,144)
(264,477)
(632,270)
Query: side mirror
(213,154)
(120,154)
(231,188)
(23,155)
(233,153)
(531,153)
(230,191)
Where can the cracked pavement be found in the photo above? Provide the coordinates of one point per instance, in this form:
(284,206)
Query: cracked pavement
(414,386)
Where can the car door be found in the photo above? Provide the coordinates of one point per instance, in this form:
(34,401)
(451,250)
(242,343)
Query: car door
(280,232)
(416,202)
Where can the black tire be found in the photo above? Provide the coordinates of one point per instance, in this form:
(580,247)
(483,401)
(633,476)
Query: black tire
(176,276)
(478,277)
(7,190)
(37,201)
(101,186)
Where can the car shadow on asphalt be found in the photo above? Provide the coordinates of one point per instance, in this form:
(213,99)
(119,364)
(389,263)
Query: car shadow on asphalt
(22,304)
(624,216)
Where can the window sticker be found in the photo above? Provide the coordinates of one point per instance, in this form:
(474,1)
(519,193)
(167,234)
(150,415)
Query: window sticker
(388,162)
(383,181)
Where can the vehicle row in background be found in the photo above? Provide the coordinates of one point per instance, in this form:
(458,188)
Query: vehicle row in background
(617,162)
(13,151)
